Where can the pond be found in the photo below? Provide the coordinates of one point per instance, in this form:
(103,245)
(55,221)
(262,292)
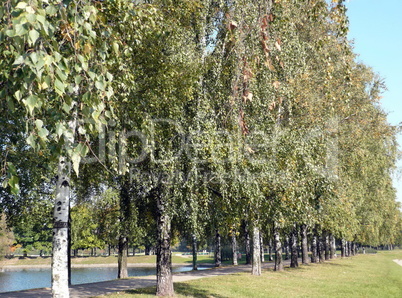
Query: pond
(24,279)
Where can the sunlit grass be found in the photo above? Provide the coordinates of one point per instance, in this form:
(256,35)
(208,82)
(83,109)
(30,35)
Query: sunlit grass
(374,275)
(176,258)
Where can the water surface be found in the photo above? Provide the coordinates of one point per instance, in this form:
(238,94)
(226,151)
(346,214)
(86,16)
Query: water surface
(24,279)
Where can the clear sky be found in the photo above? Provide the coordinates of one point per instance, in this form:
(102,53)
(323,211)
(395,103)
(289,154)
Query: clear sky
(376,28)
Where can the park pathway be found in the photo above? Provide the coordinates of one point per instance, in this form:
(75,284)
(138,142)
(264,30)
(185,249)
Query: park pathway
(119,285)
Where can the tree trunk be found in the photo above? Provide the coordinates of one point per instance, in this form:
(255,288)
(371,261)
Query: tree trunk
(270,258)
(354,250)
(125,216)
(69,250)
(256,266)
(304,242)
(234,248)
(278,250)
(343,248)
(326,245)
(218,250)
(248,246)
(293,241)
(164,280)
(147,250)
(333,246)
(287,250)
(194,252)
(262,248)
(321,248)
(314,249)
(60,231)
(122,258)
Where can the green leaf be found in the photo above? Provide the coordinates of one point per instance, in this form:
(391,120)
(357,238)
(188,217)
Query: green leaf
(82,149)
(13,182)
(4,184)
(11,168)
(43,133)
(33,36)
(60,129)
(20,30)
(31,17)
(30,10)
(31,102)
(19,60)
(39,123)
(21,5)
(17,95)
(76,159)
(31,141)
(10,33)
(100,85)
(51,10)
(59,87)
(116,48)
(66,108)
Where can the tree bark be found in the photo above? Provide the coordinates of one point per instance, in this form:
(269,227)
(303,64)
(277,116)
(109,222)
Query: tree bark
(270,258)
(248,246)
(122,271)
(354,248)
(218,250)
(321,248)
(60,231)
(333,247)
(194,238)
(314,249)
(326,245)
(234,248)
(343,248)
(293,241)
(278,250)
(287,249)
(256,266)
(164,280)
(125,216)
(262,248)
(304,242)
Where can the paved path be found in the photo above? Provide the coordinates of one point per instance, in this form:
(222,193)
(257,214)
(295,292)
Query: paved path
(119,285)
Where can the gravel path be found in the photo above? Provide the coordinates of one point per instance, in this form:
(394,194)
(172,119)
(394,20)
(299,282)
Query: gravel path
(399,262)
(119,285)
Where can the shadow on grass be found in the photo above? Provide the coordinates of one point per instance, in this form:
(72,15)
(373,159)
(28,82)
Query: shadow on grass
(337,264)
(189,290)
(180,289)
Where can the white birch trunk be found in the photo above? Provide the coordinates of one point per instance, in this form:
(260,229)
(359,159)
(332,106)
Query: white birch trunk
(60,232)
(256,265)
(234,248)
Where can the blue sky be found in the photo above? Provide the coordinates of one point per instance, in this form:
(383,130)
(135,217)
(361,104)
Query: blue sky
(376,28)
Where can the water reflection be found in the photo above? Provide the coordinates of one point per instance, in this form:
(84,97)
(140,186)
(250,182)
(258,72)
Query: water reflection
(23,279)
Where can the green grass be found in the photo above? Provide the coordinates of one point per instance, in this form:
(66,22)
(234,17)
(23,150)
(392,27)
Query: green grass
(370,275)
(176,258)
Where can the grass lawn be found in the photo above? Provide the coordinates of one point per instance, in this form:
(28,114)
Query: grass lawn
(370,275)
(176,258)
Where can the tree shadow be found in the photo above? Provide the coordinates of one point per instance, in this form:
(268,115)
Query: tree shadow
(191,291)
(179,288)
(142,291)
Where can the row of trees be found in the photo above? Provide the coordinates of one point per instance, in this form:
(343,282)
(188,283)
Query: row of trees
(203,115)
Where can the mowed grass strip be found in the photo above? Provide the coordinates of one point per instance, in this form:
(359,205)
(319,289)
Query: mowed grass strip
(370,275)
(177,258)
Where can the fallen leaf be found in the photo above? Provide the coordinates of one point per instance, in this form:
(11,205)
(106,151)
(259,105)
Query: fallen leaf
(276,84)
